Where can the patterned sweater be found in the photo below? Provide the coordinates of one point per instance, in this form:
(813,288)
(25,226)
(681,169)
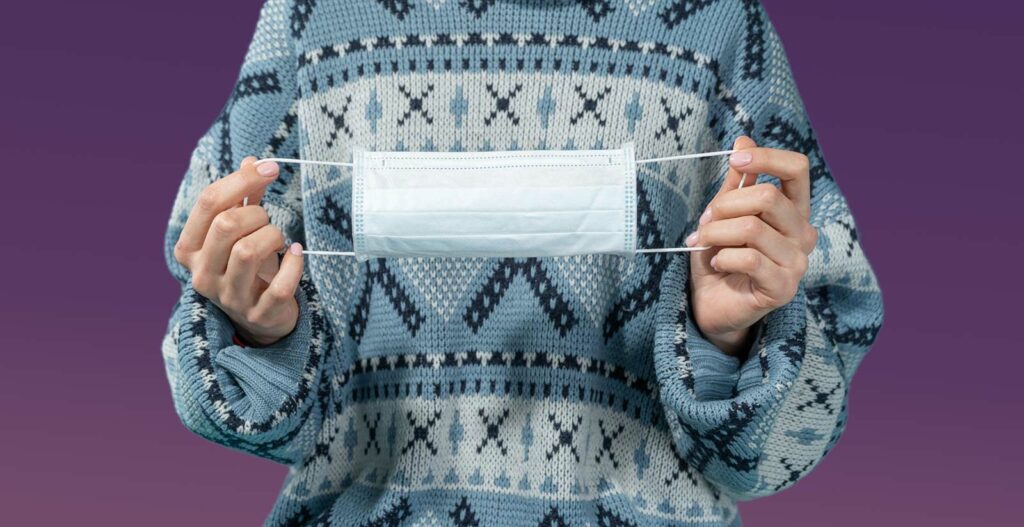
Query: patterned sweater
(540,392)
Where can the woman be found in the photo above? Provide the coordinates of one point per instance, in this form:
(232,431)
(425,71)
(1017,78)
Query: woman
(585,390)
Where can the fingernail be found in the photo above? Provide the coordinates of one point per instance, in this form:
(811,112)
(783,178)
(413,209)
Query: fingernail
(741,159)
(267,169)
(706,217)
(691,240)
(714,261)
(296,249)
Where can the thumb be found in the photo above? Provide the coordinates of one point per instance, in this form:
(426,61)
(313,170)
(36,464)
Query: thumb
(282,287)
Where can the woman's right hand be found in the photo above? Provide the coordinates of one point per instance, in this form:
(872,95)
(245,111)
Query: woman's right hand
(232,252)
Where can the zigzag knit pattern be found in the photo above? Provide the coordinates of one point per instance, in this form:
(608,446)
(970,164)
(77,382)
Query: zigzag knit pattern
(550,392)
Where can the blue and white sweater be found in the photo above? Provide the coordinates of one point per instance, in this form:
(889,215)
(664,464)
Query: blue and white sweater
(518,392)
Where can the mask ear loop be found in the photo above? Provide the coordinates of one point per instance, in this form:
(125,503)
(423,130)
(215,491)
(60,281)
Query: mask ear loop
(245,200)
(721,153)
(284,160)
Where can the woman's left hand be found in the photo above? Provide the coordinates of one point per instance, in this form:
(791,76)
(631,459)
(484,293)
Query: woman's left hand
(760,238)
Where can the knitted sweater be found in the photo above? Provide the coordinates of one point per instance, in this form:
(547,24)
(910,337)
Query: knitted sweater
(540,392)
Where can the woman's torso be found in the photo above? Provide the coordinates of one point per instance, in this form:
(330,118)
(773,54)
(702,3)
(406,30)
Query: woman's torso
(510,391)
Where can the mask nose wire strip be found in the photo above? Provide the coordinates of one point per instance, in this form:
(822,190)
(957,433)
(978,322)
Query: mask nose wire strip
(743,179)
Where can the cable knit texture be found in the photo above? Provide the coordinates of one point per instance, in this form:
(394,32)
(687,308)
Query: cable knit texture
(539,392)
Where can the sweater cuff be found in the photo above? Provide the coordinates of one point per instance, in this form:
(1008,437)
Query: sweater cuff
(715,374)
(255,382)
(258,380)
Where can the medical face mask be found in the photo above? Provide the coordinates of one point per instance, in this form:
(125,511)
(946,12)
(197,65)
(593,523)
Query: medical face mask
(494,204)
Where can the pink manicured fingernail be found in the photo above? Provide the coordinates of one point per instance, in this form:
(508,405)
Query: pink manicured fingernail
(691,240)
(741,159)
(296,249)
(714,260)
(267,169)
(706,217)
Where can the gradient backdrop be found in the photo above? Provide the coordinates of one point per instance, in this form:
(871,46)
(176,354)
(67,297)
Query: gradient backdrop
(915,101)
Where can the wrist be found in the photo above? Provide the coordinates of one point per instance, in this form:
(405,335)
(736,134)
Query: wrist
(733,343)
(257,339)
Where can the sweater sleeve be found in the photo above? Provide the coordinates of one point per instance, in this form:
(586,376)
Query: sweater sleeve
(265,401)
(755,427)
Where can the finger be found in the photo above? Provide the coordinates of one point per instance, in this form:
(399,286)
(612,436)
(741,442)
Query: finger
(256,197)
(221,195)
(734,177)
(700,262)
(247,256)
(750,231)
(282,287)
(765,201)
(227,228)
(792,168)
(268,268)
(767,276)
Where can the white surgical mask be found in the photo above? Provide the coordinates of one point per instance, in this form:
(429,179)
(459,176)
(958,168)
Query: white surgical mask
(495,204)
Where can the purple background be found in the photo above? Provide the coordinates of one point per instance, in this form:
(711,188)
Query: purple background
(916,103)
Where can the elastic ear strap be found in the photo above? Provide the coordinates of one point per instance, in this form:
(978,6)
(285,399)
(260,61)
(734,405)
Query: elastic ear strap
(290,161)
(304,162)
(687,156)
(245,200)
(678,158)
(329,253)
(672,250)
